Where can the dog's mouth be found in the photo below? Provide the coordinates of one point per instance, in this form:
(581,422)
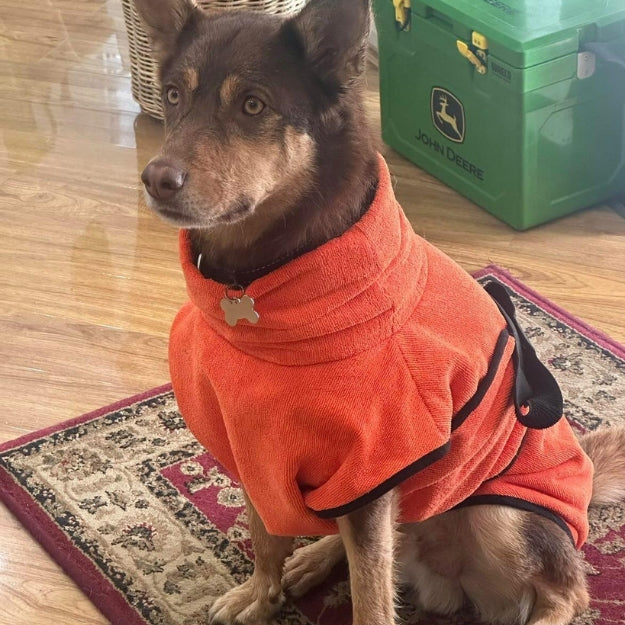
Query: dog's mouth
(181,218)
(173,216)
(241,209)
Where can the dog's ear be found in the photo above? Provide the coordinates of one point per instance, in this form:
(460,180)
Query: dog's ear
(333,36)
(164,21)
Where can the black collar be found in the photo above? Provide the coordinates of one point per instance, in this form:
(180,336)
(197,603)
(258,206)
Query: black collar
(245,277)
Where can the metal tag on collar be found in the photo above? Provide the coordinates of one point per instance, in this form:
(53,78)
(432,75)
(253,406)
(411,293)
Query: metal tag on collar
(237,306)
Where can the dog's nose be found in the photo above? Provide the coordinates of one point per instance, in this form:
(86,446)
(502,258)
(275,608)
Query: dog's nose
(162,179)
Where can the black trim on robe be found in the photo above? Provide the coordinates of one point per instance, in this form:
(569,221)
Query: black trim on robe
(387,485)
(520,504)
(485,383)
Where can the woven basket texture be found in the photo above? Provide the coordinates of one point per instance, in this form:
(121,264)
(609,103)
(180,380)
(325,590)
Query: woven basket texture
(143,68)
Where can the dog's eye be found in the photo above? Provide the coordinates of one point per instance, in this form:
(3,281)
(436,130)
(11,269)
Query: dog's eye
(253,106)
(173,96)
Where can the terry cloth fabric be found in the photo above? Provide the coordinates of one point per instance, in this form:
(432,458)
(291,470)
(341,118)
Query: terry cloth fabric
(377,362)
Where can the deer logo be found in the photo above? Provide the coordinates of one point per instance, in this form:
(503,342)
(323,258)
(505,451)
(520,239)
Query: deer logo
(448,115)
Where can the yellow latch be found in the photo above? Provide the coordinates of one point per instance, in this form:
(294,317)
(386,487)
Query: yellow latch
(464,49)
(480,45)
(479,41)
(402,12)
(476,53)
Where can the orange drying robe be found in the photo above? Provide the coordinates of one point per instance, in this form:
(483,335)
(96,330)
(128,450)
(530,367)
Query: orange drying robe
(377,363)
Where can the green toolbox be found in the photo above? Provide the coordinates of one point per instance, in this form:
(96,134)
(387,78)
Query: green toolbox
(518,105)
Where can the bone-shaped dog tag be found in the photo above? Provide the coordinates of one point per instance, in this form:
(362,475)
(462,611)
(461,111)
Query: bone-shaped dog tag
(239,306)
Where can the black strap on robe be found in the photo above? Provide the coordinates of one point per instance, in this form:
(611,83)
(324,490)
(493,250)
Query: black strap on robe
(537,396)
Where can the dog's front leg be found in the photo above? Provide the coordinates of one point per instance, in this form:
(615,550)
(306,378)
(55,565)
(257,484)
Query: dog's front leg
(255,601)
(368,535)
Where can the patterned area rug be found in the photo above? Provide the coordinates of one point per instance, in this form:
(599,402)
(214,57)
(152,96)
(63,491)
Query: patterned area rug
(154,529)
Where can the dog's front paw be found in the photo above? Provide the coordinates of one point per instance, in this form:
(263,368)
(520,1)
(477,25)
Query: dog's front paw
(310,565)
(250,603)
(305,570)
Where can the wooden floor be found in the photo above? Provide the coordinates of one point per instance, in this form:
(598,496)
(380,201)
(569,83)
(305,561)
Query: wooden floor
(89,279)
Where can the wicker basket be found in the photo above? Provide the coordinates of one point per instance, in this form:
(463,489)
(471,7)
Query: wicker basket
(143,69)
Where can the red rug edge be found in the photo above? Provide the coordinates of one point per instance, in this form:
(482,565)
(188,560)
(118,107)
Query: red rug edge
(84,572)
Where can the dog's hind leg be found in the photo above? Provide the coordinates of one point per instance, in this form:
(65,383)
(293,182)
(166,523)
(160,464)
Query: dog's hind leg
(519,568)
(310,565)
(431,591)
(255,601)
(560,586)
(368,535)
(552,608)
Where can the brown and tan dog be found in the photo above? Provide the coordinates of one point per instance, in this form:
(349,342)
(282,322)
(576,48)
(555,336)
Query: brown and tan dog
(267,157)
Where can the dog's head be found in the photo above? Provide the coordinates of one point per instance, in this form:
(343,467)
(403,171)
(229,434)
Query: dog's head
(247,99)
